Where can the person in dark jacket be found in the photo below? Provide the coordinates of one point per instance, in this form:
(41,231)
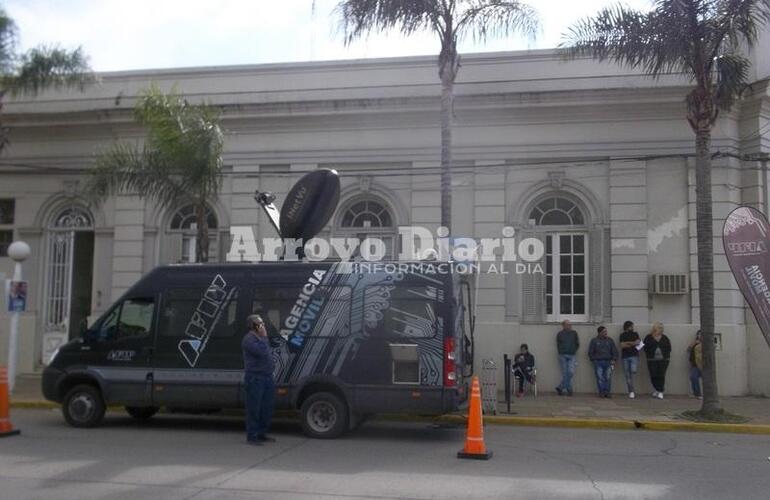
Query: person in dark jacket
(258,381)
(629,341)
(567,344)
(523,368)
(657,350)
(695,356)
(603,353)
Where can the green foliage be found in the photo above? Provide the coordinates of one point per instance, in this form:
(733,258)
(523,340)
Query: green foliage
(450,19)
(700,39)
(39,68)
(179,163)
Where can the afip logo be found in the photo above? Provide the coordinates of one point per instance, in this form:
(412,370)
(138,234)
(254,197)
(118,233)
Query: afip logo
(205,319)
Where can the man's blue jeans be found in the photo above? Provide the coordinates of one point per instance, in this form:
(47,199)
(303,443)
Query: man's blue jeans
(260,398)
(630,366)
(567,365)
(695,376)
(603,369)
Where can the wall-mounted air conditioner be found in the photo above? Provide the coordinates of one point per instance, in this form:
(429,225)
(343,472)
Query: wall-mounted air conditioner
(669,284)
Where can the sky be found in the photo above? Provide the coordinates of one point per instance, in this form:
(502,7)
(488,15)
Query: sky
(122,35)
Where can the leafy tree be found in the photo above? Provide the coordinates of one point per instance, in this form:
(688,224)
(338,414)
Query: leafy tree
(180,162)
(450,21)
(38,69)
(701,40)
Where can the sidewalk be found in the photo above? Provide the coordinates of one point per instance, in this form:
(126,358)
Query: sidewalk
(619,407)
(581,410)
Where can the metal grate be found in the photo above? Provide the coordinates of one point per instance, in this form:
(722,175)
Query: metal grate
(669,284)
(489,386)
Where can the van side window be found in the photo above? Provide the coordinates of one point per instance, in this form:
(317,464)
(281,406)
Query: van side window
(182,306)
(403,310)
(135,318)
(130,318)
(290,309)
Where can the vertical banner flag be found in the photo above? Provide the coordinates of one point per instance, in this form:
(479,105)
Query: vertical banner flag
(746,244)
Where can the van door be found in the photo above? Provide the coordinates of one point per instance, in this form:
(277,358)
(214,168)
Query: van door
(198,360)
(122,347)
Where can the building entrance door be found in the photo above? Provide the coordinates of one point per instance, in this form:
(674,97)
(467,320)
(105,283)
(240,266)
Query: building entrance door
(69,274)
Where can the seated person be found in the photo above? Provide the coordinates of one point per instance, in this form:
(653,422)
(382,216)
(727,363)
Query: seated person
(523,368)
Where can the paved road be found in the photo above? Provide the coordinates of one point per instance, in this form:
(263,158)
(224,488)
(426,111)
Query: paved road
(179,457)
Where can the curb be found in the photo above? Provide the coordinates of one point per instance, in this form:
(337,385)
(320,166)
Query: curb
(589,423)
(563,422)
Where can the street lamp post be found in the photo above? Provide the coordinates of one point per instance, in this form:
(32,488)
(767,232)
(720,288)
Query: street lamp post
(18,251)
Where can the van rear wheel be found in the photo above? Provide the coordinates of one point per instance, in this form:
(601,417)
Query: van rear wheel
(142,412)
(83,406)
(324,416)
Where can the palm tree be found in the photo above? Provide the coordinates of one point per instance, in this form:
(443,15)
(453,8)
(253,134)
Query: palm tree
(701,40)
(451,21)
(180,162)
(38,69)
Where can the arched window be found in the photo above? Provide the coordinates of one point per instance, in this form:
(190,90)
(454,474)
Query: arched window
(367,214)
(556,211)
(182,233)
(566,252)
(367,217)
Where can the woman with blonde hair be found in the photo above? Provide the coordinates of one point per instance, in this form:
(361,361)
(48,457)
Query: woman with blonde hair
(657,349)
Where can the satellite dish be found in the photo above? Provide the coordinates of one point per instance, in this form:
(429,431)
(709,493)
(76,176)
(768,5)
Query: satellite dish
(310,204)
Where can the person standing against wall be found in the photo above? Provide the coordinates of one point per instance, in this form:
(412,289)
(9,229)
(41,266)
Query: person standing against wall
(629,341)
(258,381)
(695,356)
(657,350)
(567,345)
(603,353)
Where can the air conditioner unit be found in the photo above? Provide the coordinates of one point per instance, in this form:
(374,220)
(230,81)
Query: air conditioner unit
(669,284)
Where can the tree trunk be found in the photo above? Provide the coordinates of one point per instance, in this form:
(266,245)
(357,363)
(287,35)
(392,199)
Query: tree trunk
(202,239)
(705,224)
(447,105)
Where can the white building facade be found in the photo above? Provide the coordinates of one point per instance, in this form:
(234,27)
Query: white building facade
(594,160)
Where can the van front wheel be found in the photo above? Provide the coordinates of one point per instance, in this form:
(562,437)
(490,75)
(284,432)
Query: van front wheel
(324,416)
(83,406)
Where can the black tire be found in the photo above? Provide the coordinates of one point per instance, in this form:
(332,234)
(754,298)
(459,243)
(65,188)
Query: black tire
(142,412)
(324,416)
(83,406)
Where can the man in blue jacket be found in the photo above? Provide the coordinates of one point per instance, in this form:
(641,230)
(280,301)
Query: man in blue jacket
(603,353)
(258,381)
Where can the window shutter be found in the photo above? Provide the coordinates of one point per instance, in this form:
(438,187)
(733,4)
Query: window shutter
(598,241)
(533,290)
(171,253)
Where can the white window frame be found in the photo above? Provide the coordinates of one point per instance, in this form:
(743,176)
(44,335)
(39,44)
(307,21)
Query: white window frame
(556,316)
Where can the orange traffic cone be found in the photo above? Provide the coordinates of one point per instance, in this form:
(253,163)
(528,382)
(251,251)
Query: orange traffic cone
(6,429)
(474,437)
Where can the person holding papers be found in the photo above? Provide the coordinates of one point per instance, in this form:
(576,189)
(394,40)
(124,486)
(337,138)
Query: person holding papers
(630,345)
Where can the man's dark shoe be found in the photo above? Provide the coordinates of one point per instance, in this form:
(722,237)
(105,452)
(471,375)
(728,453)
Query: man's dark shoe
(608,395)
(265,439)
(254,442)
(558,391)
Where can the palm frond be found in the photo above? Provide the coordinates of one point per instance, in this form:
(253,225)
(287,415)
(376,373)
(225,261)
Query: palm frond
(360,17)
(127,168)
(732,73)
(497,18)
(53,67)
(655,41)
(8,40)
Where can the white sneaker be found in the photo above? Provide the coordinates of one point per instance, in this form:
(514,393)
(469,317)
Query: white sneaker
(631,395)
(660,395)
(654,394)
